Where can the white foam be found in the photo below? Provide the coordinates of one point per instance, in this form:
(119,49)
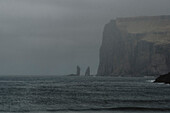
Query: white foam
(151,81)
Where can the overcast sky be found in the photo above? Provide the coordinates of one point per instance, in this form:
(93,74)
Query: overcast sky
(52,37)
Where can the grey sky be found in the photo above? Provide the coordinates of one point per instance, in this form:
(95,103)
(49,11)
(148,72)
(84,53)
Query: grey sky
(53,36)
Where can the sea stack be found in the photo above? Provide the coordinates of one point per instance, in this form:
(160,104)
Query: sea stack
(78,71)
(87,73)
(136,46)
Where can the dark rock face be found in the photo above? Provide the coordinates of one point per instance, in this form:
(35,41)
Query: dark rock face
(163,79)
(138,46)
(87,73)
(78,71)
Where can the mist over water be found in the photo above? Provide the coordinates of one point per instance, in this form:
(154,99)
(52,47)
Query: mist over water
(49,37)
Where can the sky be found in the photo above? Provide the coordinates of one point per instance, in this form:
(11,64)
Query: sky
(52,37)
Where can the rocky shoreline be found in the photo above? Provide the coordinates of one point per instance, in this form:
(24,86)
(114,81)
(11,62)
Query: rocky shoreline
(163,79)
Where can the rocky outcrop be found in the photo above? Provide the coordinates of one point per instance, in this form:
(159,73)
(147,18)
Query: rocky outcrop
(137,46)
(78,71)
(163,79)
(87,73)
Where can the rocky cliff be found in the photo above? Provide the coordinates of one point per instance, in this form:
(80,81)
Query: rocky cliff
(136,46)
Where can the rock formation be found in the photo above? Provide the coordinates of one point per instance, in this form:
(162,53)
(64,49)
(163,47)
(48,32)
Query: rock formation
(87,73)
(78,71)
(136,46)
(163,79)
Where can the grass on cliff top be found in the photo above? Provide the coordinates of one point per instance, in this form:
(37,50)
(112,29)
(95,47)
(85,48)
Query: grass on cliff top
(155,31)
(146,26)
(157,38)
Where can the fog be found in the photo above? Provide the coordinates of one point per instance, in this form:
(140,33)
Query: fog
(52,37)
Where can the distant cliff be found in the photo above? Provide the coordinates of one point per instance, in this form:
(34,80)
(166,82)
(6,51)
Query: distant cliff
(136,46)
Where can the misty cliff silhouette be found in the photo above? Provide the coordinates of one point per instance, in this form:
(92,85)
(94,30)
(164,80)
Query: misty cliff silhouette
(135,46)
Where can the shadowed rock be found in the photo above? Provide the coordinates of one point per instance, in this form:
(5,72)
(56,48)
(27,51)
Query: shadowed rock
(87,73)
(163,79)
(78,71)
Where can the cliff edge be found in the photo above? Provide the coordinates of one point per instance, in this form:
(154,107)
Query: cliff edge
(135,46)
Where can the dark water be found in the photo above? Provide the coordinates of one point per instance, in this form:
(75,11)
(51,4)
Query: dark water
(46,94)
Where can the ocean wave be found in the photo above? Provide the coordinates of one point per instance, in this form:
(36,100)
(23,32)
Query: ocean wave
(151,81)
(113,109)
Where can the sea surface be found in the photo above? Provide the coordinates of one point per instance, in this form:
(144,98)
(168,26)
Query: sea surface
(68,94)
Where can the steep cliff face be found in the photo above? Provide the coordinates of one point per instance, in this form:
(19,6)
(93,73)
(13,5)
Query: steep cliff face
(137,46)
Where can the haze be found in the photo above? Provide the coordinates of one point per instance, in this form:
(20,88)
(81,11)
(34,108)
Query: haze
(52,37)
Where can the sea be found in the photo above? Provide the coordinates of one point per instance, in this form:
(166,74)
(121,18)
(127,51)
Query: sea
(81,94)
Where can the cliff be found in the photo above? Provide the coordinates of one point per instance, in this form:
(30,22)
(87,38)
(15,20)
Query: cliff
(136,46)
